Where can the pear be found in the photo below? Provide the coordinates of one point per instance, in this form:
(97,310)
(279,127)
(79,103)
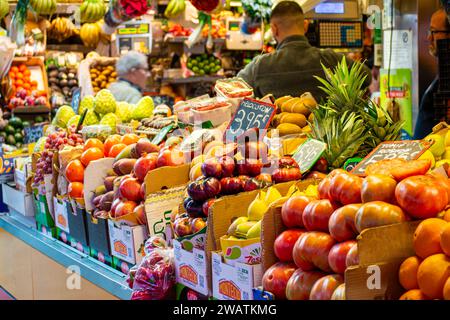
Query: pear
(438,147)
(255,231)
(243,228)
(232,229)
(447,139)
(272,195)
(256,209)
(100,190)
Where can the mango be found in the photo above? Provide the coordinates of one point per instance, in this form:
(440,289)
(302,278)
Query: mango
(301,108)
(438,147)
(288,128)
(125,153)
(254,231)
(272,195)
(294,118)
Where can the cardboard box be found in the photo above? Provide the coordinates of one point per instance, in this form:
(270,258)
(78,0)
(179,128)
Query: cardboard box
(77,223)
(18,200)
(94,175)
(61,214)
(127,243)
(7,164)
(381,251)
(98,234)
(22,174)
(190,268)
(234,282)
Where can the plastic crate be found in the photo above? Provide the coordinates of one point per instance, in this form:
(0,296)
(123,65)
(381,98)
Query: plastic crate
(442,106)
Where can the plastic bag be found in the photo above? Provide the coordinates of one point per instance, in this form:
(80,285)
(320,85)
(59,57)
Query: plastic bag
(155,276)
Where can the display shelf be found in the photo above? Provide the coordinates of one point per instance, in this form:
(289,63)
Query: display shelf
(191,79)
(183,40)
(31,110)
(61,8)
(92,270)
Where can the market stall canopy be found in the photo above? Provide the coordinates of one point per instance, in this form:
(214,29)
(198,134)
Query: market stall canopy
(306,5)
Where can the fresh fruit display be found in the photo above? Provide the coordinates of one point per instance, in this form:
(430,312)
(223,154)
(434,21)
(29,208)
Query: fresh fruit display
(426,276)
(102,76)
(23,90)
(62,29)
(178,30)
(204,64)
(12,131)
(62,80)
(44,7)
(92,10)
(174,8)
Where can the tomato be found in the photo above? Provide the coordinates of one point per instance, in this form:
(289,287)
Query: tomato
(324,288)
(321,165)
(292,211)
(275,279)
(421,196)
(91,155)
(204,189)
(110,141)
(286,174)
(314,247)
(75,171)
(76,190)
(300,284)
(317,214)
(378,188)
(93,143)
(284,244)
(346,189)
(411,168)
(324,187)
(376,214)
(444,182)
(342,223)
(338,256)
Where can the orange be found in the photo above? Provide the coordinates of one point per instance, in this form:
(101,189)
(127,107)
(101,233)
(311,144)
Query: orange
(93,143)
(129,138)
(19,75)
(407,274)
(446,292)
(14,69)
(91,154)
(22,68)
(110,141)
(75,190)
(414,294)
(26,86)
(432,275)
(116,149)
(26,72)
(427,237)
(12,75)
(75,171)
(445,239)
(19,82)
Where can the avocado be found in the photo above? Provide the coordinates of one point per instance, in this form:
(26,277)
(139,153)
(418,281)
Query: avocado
(9,129)
(18,137)
(10,140)
(16,123)
(39,119)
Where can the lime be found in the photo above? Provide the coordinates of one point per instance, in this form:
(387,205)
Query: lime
(204,56)
(3,134)
(207,69)
(18,137)
(39,119)
(212,59)
(194,62)
(201,72)
(195,69)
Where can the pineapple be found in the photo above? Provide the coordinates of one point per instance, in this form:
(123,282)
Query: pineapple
(348,122)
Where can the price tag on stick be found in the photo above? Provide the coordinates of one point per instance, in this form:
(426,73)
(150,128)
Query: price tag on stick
(250,114)
(308,153)
(408,150)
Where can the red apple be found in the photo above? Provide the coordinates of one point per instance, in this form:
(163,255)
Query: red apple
(324,287)
(352,257)
(231,186)
(276,278)
(125,208)
(342,223)
(292,211)
(321,166)
(317,214)
(338,256)
(130,189)
(197,224)
(284,244)
(144,165)
(139,212)
(182,227)
(300,284)
(314,247)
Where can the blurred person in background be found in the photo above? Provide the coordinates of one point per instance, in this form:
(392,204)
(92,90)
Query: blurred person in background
(133,72)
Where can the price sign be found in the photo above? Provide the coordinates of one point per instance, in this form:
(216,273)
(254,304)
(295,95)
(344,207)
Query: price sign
(76,97)
(408,150)
(250,114)
(308,153)
(33,133)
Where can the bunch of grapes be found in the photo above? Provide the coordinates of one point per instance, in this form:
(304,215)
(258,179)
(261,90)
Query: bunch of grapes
(57,140)
(43,166)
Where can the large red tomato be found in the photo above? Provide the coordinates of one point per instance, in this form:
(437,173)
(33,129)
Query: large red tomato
(352,257)
(317,214)
(421,196)
(284,244)
(324,185)
(346,189)
(292,211)
(276,278)
(324,288)
(338,256)
(300,284)
(297,255)
(445,182)
(314,248)
(342,223)
(378,188)
(377,214)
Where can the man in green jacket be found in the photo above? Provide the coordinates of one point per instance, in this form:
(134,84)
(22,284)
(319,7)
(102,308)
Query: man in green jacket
(291,68)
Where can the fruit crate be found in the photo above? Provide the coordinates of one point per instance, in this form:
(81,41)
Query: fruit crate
(43,215)
(444,64)
(442,106)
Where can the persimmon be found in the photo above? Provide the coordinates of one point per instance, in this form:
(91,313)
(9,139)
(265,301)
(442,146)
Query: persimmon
(76,190)
(75,171)
(93,143)
(91,154)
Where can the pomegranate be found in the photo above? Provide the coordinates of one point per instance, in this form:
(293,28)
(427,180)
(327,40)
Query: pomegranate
(144,165)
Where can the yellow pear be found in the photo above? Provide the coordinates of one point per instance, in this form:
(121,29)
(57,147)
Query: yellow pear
(428,155)
(446,154)
(312,191)
(447,139)
(256,209)
(292,189)
(254,231)
(243,228)
(272,195)
(234,225)
(438,147)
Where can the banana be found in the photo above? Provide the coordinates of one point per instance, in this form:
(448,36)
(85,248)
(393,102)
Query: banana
(169,8)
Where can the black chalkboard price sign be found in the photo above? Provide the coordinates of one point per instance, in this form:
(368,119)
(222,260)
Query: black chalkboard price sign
(408,150)
(250,114)
(308,153)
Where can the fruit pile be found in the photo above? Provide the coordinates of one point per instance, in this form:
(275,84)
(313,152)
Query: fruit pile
(102,76)
(62,80)
(12,132)
(293,114)
(24,91)
(175,8)
(92,10)
(123,193)
(62,29)
(320,242)
(43,7)
(426,275)
(204,64)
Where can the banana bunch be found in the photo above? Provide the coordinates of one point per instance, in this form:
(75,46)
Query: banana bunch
(45,7)
(92,10)
(175,8)
(90,34)
(62,29)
